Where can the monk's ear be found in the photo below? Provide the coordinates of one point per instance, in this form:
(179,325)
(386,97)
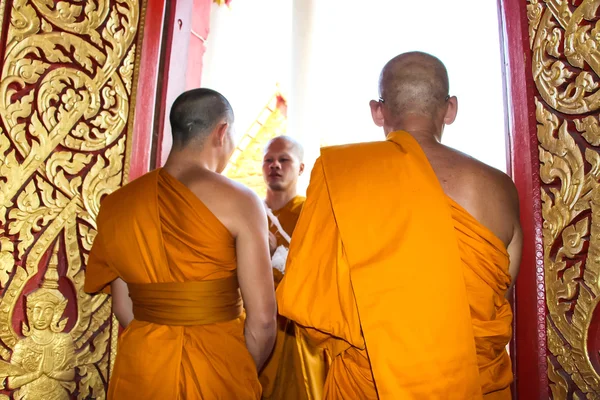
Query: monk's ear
(376,112)
(301,168)
(221,134)
(451,110)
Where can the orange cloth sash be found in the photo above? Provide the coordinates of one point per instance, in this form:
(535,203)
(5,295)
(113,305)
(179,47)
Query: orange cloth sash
(187,303)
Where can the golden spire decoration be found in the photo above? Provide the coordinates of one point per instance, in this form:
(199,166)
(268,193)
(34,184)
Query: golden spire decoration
(222,2)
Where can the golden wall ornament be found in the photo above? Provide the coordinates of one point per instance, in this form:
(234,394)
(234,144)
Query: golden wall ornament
(565,44)
(67,90)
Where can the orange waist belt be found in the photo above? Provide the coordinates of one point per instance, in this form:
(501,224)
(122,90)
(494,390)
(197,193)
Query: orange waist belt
(187,303)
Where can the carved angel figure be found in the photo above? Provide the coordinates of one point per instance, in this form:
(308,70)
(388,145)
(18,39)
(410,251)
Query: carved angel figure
(42,364)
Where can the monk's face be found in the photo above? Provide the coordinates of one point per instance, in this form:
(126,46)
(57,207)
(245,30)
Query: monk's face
(281,165)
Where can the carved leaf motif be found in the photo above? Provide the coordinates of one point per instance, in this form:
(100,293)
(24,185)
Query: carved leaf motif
(46,27)
(567,287)
(573,239)
(87,236)
(71,163)
(534,14)
(102,178)
(590,129)
(19,108)
(67,12)
(52,198)
(8,170)
(559,387)
(91,384)
(7,261)
(559,27)
(87,356)
(30,71)
(24,21)
(29,217)
(126,69)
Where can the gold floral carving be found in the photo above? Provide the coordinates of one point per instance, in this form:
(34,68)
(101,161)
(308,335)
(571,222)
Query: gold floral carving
(67,86)
(565,41)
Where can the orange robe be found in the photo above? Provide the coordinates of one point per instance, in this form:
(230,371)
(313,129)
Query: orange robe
(485,269)
(179,261)
(377,276)
(295,370)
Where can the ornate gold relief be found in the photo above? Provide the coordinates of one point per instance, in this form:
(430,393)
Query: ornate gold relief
(66,102)
(566,55)
(565,38)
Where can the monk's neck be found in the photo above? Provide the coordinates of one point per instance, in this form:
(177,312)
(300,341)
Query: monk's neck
(276,200)
(180,161)
(424,130)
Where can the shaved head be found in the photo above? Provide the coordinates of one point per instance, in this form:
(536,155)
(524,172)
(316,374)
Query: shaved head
(414,83)
(196,113)
(292,144)
(282,164)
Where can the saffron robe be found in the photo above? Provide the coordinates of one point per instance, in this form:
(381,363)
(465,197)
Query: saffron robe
(295,369)
(179,261)
(400,293)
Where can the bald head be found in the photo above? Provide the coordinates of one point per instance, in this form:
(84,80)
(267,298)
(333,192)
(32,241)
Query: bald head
(291,144)
(282,164)
(414,83)
(196,113)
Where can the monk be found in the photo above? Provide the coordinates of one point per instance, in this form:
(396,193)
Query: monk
(404,253)
(180,248)
(296,370)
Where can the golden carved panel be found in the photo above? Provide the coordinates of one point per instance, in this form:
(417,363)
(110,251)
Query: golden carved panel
(565,45)
(67,90)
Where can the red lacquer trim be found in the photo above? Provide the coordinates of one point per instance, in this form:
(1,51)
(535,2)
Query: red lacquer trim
(147,89)
(530,345)
(183,64)
(197,47)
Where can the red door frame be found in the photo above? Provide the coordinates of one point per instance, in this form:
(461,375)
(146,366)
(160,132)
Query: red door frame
(187,32)
(147,88)
(529,347)
(170,24)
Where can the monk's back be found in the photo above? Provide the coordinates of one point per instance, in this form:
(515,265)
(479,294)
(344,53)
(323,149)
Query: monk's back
(182,239)
(177,257)
(484,208)
(486,193)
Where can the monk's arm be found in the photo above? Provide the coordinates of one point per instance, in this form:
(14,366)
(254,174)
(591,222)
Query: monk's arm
(515,247)
(122,305)
(255,277)
(99,274)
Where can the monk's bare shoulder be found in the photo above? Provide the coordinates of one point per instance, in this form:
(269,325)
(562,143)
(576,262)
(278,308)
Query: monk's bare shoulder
(487,193)
(491,184)
(233,203)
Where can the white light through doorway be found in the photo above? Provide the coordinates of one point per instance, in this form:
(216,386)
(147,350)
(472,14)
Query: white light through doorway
(329,71)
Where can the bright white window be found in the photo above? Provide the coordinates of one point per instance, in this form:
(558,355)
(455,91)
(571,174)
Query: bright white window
(326,57)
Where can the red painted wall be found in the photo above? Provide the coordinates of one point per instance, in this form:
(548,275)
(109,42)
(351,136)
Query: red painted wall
(147,89)
(171,62)
(188,30)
